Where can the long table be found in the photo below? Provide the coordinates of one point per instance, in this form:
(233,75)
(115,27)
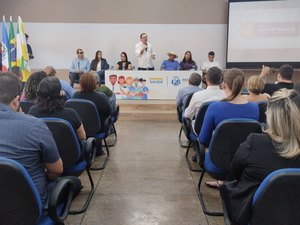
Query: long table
(146,84)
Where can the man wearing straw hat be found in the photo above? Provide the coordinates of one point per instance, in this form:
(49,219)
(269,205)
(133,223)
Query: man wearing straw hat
(171,63)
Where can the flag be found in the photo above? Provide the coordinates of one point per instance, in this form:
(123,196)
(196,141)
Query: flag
(22,53)
(12,45)
(5,47)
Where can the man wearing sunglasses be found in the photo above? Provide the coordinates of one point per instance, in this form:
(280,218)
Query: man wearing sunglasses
(79,66)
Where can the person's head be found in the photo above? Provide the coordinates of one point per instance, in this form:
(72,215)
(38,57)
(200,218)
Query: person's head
(144,38)
(195,79)
(255,84)
(50,71)
(143,81)
(98,55)
(121,80)
(285,73)
(187,57)
(80,53)
(172,55)
(283,119)
(17,71)
(129,80)
(10,90)
(113,79)
(49,98)
(233,83)
(32,83)
(87,83)
(214,76)
(136,80)
(211,56)
(124,57)
(97,77)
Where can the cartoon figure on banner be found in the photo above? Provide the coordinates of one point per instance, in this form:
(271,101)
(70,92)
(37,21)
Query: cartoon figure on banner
(114,86)
(176,81)
(135,91)
(122,86)
(145,89)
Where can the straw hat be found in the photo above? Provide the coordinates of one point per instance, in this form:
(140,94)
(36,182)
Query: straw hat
(173,53)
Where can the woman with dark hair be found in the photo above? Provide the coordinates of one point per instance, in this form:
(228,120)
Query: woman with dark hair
(30,88)
(99,65)
(88,84)
(187,62)
(233,106)
(50,103)
(124,64)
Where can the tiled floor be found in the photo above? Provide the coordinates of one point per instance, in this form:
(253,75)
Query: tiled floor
(146,182)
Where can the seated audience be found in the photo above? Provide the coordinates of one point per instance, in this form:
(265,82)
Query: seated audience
(30,88)
(171,63)
(187,62)
(255,85)
(233,106)
(99,65)
(68,91)
(79,66)
(50,103)
(261,154)
(27,139)
(88,92)
(211,93)
(211,62)
(284,78)
(194,82)
(124,64)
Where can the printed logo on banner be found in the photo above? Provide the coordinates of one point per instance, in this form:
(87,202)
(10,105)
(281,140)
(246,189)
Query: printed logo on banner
(176,81)
(156,80)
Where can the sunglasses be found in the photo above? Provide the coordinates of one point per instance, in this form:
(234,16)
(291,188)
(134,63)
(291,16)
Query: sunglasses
(80,52)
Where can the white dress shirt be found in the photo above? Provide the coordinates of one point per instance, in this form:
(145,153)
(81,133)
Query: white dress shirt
(211,93)
(145,59)
(207,64)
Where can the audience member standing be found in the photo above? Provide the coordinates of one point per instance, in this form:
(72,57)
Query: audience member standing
(79,66)
(284,78)
(29,49)
(144,52)
(261,154)
(171,63)
(124,64)
(211,62)
(187,62)
(26,139)
(99,65)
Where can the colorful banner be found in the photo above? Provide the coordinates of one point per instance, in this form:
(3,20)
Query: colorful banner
(143,85)
(5,47)
(12,45)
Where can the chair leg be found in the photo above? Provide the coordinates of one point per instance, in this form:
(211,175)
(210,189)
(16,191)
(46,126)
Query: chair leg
(188,160)
(200,196)
(115,136)
(90,196)
(179,138)
(106,160)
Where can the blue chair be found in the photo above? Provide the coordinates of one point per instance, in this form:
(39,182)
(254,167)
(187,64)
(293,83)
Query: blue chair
(77,157)
(227,137)
(262,105)
(277,199)
(26,105)
(20,201)
(94,125)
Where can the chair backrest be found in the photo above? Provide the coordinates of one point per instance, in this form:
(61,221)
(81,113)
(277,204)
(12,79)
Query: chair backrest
(277,200)
(262,105)
(89,114)
(26,105)
(227,137)
(20,202)
(66,140)
(200,117)
(185,103)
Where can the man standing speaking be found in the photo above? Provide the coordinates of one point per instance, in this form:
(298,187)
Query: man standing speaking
(144,52)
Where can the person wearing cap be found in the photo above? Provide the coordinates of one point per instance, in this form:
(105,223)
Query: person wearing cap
(171,63)
(145,53)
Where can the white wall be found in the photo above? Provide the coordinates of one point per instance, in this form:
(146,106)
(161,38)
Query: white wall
(55,43)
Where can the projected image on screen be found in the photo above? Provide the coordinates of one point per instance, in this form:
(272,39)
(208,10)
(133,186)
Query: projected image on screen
(263,31)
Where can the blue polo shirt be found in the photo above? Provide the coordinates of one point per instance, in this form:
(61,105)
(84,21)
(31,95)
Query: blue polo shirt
(170,65)
(27,140)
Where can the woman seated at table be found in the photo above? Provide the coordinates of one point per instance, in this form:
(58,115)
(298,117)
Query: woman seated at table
(261,154)
(50,103)
(124,64)
(187,62)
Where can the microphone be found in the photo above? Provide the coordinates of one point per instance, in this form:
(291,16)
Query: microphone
(146,46)
(78,65)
